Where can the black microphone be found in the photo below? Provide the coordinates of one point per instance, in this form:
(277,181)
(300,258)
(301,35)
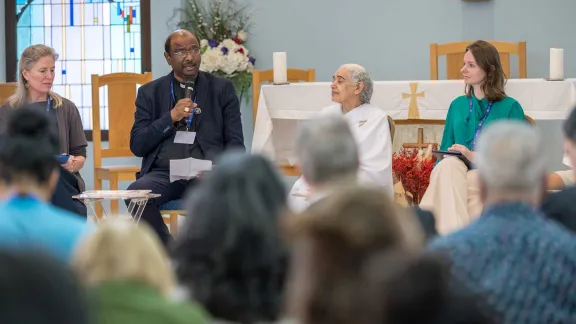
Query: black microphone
(189,88)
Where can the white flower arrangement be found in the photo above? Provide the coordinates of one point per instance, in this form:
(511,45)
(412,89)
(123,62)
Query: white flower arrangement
(227,56)
(223,32)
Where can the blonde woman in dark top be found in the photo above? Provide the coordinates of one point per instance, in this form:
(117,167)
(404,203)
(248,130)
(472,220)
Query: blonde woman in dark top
(35,79)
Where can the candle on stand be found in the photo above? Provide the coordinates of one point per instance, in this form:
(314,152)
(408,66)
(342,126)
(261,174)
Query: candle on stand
(280,68)
(556,64)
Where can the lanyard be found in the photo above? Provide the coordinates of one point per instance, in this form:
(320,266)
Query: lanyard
(48,106)
(191,118)
(479,128)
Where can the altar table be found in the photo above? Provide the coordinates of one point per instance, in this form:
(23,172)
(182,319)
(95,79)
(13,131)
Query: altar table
(280,107)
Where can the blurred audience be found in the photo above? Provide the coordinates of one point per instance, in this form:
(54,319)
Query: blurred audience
(559,205)
(523,263)
(28,176)
(37,288)
(129,277)
(229,255)
(357,259)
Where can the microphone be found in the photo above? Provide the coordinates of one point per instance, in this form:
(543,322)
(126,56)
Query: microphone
(189,85)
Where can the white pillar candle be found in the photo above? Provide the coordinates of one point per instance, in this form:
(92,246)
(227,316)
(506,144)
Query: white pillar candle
(556,63)
(280,68)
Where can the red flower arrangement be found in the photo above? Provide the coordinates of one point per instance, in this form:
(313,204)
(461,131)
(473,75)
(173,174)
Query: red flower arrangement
(412,169)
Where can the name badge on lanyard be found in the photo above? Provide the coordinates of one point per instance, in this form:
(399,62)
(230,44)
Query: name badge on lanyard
(184,137)
(481,124)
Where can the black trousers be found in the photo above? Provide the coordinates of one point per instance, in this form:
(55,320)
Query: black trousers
(159,183)
(67,187)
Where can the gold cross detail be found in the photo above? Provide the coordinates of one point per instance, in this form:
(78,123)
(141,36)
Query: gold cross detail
(413,112)
(420,143)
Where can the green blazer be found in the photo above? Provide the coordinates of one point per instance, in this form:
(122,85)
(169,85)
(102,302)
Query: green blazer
(126,302)
(460,127)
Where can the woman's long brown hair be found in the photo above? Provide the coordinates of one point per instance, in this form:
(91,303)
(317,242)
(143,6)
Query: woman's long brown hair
(487,57)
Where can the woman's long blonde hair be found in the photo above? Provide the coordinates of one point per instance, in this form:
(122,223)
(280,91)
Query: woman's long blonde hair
(30,56)
(121,250)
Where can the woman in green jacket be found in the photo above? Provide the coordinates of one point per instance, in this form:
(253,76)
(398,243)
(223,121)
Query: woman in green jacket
(129,278)
(484,102)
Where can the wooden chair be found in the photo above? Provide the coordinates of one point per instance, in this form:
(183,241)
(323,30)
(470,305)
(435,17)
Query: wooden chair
(455,56)
(6,90)
(172,210)
(259,77)
(530,120)
(121,108)
(267,76)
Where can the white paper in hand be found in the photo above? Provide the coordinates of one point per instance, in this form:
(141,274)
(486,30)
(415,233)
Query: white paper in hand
(566,161)
(183,137)
(186,169)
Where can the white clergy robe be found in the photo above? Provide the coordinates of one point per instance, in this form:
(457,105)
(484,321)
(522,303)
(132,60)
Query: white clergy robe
(371,130)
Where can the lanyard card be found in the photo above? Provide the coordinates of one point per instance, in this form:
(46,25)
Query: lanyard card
(184,137)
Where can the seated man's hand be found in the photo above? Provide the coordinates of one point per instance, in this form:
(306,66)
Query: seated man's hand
(183,109)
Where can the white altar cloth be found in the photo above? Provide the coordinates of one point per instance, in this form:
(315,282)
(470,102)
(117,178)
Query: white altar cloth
(281,106)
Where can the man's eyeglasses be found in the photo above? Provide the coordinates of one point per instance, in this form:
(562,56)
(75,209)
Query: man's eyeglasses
(184,53)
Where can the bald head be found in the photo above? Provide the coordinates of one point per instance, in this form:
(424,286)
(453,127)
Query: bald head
(179,33)
(182,53)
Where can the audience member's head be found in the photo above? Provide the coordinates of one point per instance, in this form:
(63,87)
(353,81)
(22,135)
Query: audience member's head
(511,163)
(229,254)
(27,154)
(570,137)
(482,68)
(352,86)
(327,152)
(332,242)
(35,288)
(402,288)
(121,250)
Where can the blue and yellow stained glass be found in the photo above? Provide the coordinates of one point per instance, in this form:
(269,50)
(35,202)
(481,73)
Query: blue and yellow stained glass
(91,37)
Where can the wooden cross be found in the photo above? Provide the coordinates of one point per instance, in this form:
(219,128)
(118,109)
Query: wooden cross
(413,112)
(420,143)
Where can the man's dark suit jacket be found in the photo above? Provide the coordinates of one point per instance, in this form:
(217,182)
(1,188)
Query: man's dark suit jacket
(560,207)
(219,124)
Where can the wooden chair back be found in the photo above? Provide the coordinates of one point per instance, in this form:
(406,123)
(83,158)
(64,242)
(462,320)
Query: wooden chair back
(121,108)
(392,126)
(6,90)
(267,76)
(454,53)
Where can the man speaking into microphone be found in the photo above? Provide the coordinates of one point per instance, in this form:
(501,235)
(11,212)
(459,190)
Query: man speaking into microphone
(185,114)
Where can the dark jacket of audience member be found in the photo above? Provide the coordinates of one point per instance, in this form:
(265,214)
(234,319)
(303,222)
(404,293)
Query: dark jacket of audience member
(560,207)
(229,255)
(35,288)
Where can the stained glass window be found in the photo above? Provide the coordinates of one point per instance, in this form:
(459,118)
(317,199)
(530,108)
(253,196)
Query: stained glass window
(91,36)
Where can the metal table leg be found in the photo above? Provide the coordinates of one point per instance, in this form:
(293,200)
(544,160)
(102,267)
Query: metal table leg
(141,203)
(91,203)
